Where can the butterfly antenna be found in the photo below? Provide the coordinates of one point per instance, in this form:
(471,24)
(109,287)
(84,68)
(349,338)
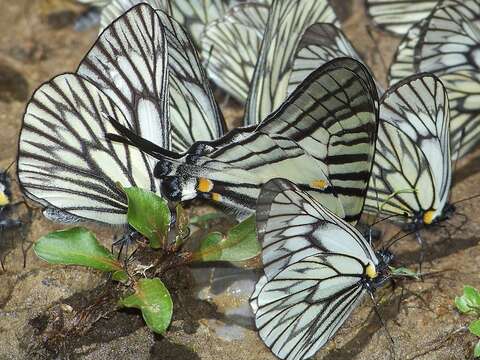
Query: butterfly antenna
(466,199)
(394,239)
(170,8)
(386,218)
(377,49)
(382,322)
(421,242)
(9,166)
(129,137)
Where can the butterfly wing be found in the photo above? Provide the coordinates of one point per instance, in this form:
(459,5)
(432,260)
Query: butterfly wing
(231,46)
(305,304)
(321,43)
(194,15)
(448,47)
(194,113)
(314,263)
(397,16)
(128,63)
(64,161)
(403,65)
(286,24)
(412,168)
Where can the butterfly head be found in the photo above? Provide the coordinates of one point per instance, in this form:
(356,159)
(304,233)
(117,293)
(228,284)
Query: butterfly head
(432,217)
(377,275)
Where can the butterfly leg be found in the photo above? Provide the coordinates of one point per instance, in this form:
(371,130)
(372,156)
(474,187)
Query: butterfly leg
(420,242)
(384,325)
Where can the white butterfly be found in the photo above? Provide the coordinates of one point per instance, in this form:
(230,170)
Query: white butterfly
(143,71)
(317,268)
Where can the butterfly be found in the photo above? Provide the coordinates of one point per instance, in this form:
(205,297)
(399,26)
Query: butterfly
(251,50)
(317,269)
(321,138)
(144,71)
(446,44)
(411,175)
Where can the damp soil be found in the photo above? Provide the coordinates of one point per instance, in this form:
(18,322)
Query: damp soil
(46,311)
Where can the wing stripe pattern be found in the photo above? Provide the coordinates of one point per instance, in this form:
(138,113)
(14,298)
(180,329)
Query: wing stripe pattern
(128,64)
(194,112)
(448,47)
(397,16)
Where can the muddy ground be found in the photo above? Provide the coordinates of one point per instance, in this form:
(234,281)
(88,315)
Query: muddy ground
(38,302)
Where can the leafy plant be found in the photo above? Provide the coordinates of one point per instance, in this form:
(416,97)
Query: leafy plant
(469,303)
(150,216)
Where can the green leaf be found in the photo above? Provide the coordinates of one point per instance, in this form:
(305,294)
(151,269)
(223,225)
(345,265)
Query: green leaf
(149,214)
(475,327)
(239,244)
(476,350)
(471,296)
(404,272)
(155,303)
(120,276)
(75,246)
(462,305)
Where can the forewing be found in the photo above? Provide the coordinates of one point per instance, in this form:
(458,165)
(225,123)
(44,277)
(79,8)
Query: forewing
(194,15)
(448,47)
(64,161)
(292,225)
(128,63)
(286,24)
(231,46)
(403,64)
